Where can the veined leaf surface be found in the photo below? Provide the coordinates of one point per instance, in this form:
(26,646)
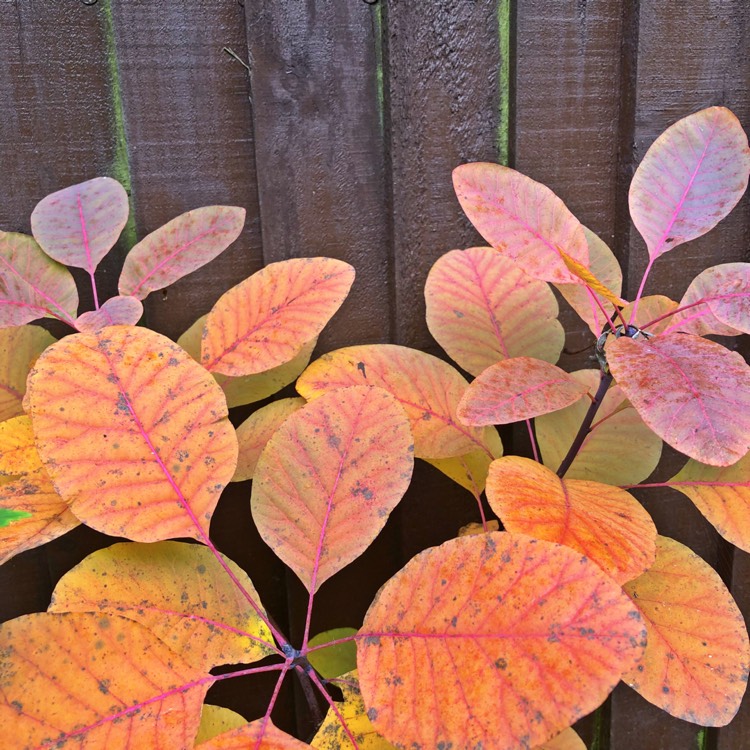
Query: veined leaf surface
(427,388)
(691,178)
(80,224)
(95,681)
(133,432)
(696,662)
(523,219)
(18,453)
(115,311)
(482,308)
(337,659)
(517,389)
(605,523)
(730,293)
(179,592)
(265,321)
(513,605)
(179,247)
(693,393)
(256,735)
(328,479)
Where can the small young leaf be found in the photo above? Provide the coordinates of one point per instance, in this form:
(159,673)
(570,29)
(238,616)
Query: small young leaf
(256,431)
(265,321)
(115,311)
(605,523)
(482,308)
(517,389)
(80,224)
(178,591)
(94,681)
(335,660)
(257,734)
(466,644)
(133,432)
(693,393)
(649,308)
(691,178)
(216,720)
(523,219)
(696,662)
(328,479)
(10,516)
(427,388)
(32,285)
(179,247)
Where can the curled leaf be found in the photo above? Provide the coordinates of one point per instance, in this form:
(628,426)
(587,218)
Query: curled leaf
(115,311)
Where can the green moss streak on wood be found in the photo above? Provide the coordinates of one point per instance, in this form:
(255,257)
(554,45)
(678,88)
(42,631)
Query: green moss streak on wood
(702,738)
(120,167)
(503,80)
(377,15)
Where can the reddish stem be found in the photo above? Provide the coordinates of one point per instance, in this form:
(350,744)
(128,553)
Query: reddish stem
(271,704)
(638,296)
(532,437)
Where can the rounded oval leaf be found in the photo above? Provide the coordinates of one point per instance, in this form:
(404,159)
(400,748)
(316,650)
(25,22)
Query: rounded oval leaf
(693,393)
(179,592)
(427,388)
(328,479)
(691,177)
(95,681)
(517,389)
(133,431)
(265,321)
(730,294)
(605,523)
(696,662)
(179,247)
(482,308)
(523,219)
(80,224)
(115,311)
(650,308)
(465,645)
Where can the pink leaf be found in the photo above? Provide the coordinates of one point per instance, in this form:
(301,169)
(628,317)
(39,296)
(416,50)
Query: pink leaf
(691,178)
(729,299)
(80,224)
(523,219)
(179,247)
(517,389)
(693,393)
(115,311)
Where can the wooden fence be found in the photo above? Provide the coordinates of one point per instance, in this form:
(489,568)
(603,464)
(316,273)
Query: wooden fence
(339,138)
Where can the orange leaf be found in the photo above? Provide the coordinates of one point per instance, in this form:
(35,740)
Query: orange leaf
(482,308)
(566,740)
(605,523)
(94,681)
(328,479)
(497,640)
(693,393)
(18,453)
(517,389)
(255,432)
(426,387)
(178,591)
(523,219)
(696,662)
(133,432)
(265,321)
(216,720)
(254,736)
(722,494)
(115,311)
(619,449)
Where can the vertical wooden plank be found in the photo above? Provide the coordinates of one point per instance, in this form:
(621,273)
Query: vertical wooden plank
(186,116)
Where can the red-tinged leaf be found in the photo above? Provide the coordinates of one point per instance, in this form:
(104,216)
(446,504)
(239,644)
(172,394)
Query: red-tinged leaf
(266,320)
(730,294)
(693,393)
(179,592)
(691,178)
(115,311)
(133,432)
(496,640)
(80,224)
(619,449)
(648,309)
(605,267)
(482,308)
(523,219)
(249,388)
(328,479)
(32,285)
(179,247)
(94,681)
(696,662)
(722,494)
(257,735)
(216,720)
(256,431)
(566,740)
(427,388)
(517,389)
(606,523)
(18,453)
